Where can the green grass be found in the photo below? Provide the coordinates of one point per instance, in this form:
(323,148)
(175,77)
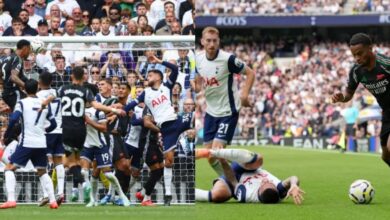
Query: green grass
(325,177)
(79,212)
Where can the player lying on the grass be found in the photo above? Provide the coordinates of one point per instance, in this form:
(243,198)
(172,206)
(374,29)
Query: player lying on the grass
(95,148)
(245,180)
(373,72)
(32,145)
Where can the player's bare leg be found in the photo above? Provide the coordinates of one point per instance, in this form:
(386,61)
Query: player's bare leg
(219,193)
(72,161)
(386,152)
(168,164)
(156,172)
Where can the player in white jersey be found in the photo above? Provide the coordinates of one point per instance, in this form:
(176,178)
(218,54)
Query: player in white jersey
(95,148)
(55,149)
(32,143)
(132,141)
(157,98)
(245,180)
(215,71)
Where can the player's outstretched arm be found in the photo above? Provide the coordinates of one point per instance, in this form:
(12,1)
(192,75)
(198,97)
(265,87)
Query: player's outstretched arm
(250,78)
(104,108)
(131,105)
(292,184)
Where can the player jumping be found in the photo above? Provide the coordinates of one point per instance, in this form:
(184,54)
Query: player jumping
(157,99)
(215,70)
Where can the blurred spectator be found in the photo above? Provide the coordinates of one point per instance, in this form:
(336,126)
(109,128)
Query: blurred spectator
(175,28)
(185,14)
(94,72)
(13,6)
(163,27)
(103,11)
(40,8)
(60,76)
(95,26)
(132,78)
(43,28)
(90,6)
(140,10)
(114,17)
(26,29)
(238,7)
(142,23)
(190,29)
(16,28)
(33,19)
(66,7)
(55,25)
(79,24)
(121,29)
(5,18)
(159,8)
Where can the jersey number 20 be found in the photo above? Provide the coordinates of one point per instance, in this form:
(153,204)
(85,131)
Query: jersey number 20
(73,107)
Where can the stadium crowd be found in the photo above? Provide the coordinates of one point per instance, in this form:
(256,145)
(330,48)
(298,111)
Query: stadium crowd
(293,99)
(251,7)
(371,6)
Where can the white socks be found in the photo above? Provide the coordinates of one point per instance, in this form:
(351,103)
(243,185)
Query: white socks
(85,174)
(10,183)
(60,178)
(133,181)
(237,155)
(168,180)
(48,185)
(217,167)
(202,195)
(94,186)
(115,183)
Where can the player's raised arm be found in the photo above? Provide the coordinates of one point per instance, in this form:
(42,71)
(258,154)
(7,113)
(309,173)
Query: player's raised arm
(134,103)
(149,123)
(292,185)
(52,120)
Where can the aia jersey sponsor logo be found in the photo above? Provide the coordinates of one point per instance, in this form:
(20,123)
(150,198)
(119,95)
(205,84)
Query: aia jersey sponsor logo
(211,82)
(159,100)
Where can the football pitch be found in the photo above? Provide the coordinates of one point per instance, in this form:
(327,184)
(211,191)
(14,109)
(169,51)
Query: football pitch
(325,177)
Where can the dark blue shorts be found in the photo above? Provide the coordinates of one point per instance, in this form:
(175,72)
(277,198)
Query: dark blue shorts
(171,130)
(54,145)
(23,154)
(135,154)
(101,155)
(219,128)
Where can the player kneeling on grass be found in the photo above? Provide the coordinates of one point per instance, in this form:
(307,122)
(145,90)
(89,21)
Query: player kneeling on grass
(245,180)
(32,145)
(95,148)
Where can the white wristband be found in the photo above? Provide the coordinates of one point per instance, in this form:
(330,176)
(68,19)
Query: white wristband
(113,110)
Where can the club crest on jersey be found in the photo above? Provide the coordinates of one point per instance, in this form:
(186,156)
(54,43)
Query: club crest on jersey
(380,76)
(159,100)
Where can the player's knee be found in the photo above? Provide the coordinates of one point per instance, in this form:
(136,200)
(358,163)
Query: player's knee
(219,197)
(168,163)
(135,172)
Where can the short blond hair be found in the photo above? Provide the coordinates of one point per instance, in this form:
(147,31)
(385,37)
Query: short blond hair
(211,30)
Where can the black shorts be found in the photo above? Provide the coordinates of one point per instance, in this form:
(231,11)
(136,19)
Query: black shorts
(349,130)
(119,151)
(385,130)
(12,97)
(73,139)
(154,154)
